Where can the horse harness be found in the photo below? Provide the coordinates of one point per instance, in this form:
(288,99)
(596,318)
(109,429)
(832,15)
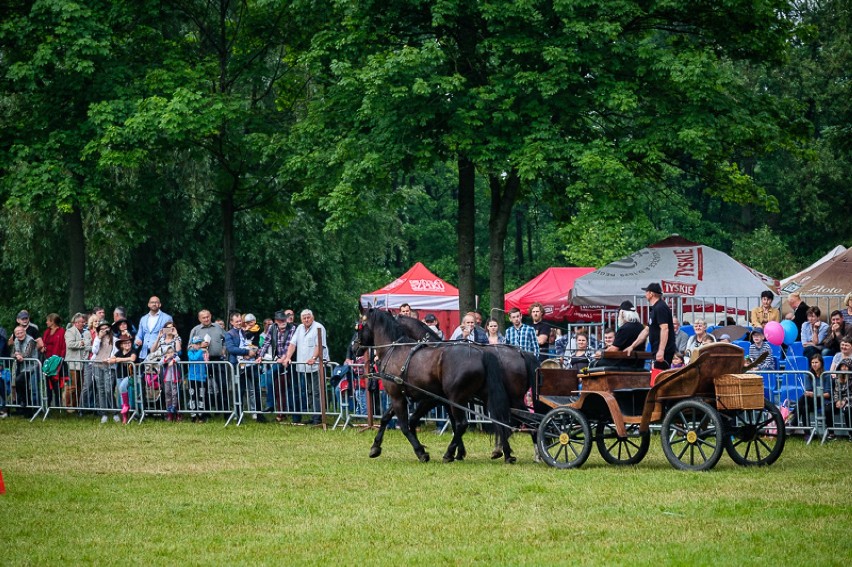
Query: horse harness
(403,383)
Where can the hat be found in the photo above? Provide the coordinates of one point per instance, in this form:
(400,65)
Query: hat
(103,324)
(24,314)
(249,317)
(116,326)
(280,316)
(758,331)
(430,318)
(654,287)
(626,306)
(124,339)
(725,337)
(196,340)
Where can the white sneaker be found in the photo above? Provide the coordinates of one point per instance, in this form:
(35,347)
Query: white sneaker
(104,419)
(116,418)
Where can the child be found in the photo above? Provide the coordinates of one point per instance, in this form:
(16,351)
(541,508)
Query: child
(123,359)
(170,377)
(677,360)
(758,347)
(197,378)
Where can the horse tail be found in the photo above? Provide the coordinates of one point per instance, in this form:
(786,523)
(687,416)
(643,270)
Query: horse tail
(531,362)
(498,399)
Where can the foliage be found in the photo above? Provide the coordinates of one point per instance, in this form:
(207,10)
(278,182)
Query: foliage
(766,252)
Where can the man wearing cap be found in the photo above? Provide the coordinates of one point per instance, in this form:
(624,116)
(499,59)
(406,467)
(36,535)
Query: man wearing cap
(629,329)
(659,329)
(150,326)
(276,340)
(30,328)
(432,322)
(760,316)
(213,340)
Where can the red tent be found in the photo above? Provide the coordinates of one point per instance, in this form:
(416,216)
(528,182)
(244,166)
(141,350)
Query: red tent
(424,291)
(551,288)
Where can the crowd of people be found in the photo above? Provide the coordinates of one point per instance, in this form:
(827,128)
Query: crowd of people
(97,354)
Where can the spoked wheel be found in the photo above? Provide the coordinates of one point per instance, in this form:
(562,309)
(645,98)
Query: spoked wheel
(564,438)
(621,450)
(692,436)
(755,437)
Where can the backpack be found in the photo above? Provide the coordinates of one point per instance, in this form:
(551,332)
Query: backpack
(50,368)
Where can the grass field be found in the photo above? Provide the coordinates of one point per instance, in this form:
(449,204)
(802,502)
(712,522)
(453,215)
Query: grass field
(164,493)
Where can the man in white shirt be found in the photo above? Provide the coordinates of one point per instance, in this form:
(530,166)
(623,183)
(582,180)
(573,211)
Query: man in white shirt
(306,343)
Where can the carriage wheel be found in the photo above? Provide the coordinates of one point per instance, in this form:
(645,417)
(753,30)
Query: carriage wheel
(621,450)
(755,437)
(692,436)
(564,438)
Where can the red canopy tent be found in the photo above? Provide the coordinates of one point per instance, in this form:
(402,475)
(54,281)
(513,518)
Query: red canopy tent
(552,289)
(424,291)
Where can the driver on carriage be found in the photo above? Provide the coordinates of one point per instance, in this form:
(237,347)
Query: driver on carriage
(629,329)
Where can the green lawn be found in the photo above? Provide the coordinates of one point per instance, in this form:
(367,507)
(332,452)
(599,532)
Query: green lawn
(268,494)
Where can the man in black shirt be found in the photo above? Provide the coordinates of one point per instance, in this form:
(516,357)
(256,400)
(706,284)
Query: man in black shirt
(659,329)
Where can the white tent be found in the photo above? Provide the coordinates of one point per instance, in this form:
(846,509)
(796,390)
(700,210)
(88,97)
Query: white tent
(833,253)
(702,276)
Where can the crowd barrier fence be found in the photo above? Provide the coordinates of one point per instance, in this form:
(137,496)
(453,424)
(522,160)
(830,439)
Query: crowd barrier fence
(194,389)
(800,392)
(841,417)
(22,386)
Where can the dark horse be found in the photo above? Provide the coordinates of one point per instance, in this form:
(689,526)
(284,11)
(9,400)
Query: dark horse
(517,369)
(419,371)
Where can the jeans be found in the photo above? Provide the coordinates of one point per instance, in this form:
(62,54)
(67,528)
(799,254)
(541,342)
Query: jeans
(249,388)
(102,378)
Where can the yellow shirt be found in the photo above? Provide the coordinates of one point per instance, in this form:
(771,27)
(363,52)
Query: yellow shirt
(759,317)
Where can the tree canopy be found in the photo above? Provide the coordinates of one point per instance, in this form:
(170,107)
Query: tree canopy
(260,153)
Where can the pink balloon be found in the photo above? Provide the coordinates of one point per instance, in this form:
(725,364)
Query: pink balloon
(774,333)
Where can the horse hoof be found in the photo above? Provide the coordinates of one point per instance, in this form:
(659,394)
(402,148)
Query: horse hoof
(375,452)
(460,457)
(424,457)
(448,458)
(511,460)
(496,454)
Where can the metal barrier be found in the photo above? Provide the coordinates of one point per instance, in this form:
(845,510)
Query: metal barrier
(187,388)
(292,391)
(840,415)
(801,392)
(101,388)
(22,386)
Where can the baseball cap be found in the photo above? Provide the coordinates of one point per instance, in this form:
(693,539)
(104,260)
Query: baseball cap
(24,314)
(626,306)
(653,287)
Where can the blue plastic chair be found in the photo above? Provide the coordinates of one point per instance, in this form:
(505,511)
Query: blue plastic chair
(796,349)
(797,363)
(826,361)
(743,345)
(688,329)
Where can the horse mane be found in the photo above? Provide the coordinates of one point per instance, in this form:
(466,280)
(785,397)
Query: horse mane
(385,321)
(417,327)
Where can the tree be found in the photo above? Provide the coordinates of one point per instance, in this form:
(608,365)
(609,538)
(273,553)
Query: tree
(617,103)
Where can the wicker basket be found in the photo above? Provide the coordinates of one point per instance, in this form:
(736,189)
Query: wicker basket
(738,391)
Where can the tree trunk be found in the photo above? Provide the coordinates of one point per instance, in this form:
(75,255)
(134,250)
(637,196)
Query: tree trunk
(519,238)
(77,261)
(228,253)
(504,192)
(466,230)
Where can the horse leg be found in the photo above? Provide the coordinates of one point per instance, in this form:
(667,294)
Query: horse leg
(420,409)
(376,449)
(400,407)
(460,424)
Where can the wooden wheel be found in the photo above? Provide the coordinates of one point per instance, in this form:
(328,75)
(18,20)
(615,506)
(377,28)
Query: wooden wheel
(564,438)
(621,450)
(755,437)
(692,436)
